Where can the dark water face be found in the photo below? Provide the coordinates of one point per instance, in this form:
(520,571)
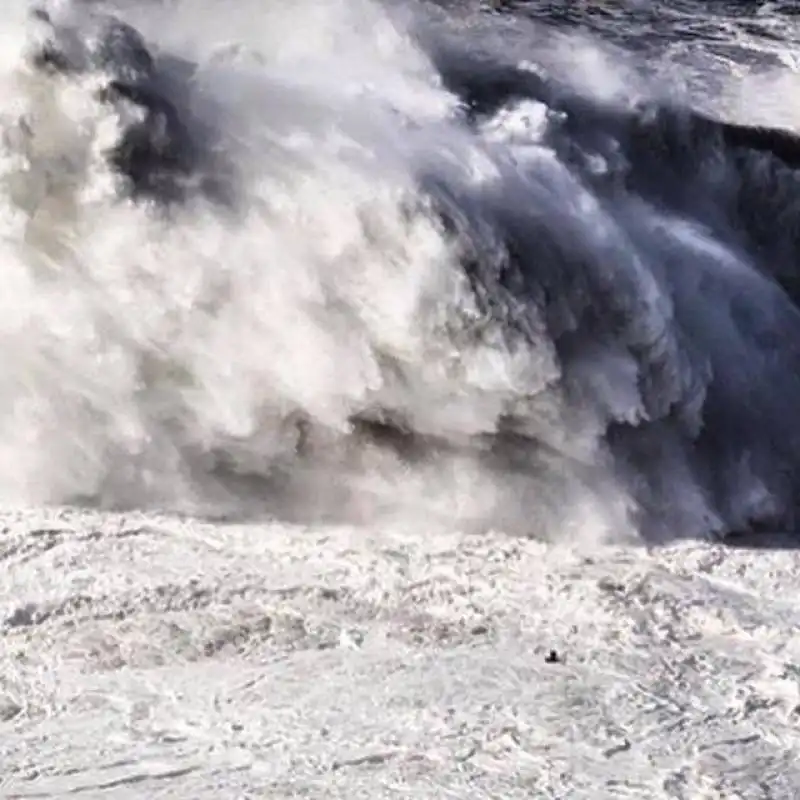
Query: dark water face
(681,261)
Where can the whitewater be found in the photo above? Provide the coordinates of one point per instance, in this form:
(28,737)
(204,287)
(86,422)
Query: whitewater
(398,399)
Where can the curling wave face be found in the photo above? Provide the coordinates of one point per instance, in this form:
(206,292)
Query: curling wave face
(335,261)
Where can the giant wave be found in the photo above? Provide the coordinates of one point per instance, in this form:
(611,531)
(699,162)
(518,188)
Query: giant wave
(346,261)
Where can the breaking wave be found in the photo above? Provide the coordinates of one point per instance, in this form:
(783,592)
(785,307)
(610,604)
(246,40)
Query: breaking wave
(342,261)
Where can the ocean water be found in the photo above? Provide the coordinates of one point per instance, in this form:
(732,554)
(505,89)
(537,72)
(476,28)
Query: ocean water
(478,265)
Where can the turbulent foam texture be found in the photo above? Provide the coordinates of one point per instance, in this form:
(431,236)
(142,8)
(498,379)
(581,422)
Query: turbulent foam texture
(395,311)
(146,354)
